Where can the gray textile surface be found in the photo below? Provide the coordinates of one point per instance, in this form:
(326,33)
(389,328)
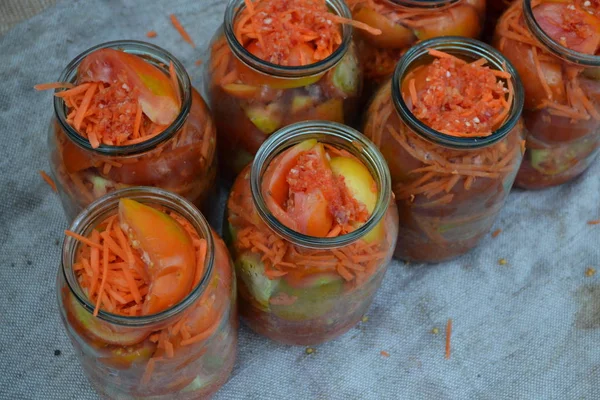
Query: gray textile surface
(529,329)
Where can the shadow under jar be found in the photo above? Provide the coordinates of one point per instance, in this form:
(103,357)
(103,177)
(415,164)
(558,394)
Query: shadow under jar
(255,91)
(145,125)
(403,23)
(555,47)
(450,182)
(312,228)
(166,326)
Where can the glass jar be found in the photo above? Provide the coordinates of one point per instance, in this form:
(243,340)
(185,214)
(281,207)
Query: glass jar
(448,189)
(562,88)
(120,354)
(251,98)
(315,300)
(181,159)
(403,23)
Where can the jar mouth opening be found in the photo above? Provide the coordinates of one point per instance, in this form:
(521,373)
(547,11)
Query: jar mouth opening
(232,13)
(575,57)
(339,136)
(155,56)
(464,48)
(106,206)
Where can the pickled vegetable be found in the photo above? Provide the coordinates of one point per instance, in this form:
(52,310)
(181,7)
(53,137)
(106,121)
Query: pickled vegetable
(447,198)
(250,103)
(562,99)
(118,103)
(294,294)
(141,261)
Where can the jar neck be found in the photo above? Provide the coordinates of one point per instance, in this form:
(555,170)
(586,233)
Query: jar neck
(107,206)
(232,14)
(467,49)
(588,60)
(152,54)
(339,136)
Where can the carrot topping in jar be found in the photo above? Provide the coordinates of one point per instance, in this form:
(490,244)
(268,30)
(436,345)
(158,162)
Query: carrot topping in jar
(119,99)
(292,33)
(458,98)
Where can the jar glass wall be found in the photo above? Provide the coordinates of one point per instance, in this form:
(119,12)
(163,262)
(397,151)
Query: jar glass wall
(300,289)
(181,158)
(449,190)
(555,48)
(186,350)
(251,98)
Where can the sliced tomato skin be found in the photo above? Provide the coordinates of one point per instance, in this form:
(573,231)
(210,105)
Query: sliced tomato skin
(168,247)
(552,17)
(157,96)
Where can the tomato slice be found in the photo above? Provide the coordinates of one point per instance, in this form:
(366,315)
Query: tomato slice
(460,20)
(166,247)
(311,213)
(157,96)
(393,35)
(573,28)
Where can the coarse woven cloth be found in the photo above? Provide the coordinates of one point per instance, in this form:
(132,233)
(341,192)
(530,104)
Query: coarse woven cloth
(529,329)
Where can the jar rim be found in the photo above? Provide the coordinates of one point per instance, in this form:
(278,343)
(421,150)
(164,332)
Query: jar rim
(105,206)
(575,57)
(466,47)
(149,52)
(340,136)
(235,7)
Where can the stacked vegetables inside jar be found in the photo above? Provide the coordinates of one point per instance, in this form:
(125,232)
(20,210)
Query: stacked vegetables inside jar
(276,62)
(312,229)
(449,126)
(127,115)
(555,47)
(404,22)
(147,296)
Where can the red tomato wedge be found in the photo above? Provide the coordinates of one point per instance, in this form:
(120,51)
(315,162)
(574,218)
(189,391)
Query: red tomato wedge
(311,213)
(569,26)
(157,96)
(167,249)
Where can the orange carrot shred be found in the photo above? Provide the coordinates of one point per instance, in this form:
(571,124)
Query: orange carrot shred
(151,34)
(496,233)
(54,85)
(384,353)
(448,337)
(48,180)
(181,30)
(594,222)
(83,239)
(198,62)
(104,273)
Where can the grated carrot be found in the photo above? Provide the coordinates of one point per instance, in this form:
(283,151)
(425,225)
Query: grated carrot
(181,30)
(54,85)
(594,222)
(292,32)
(151,34)
(448,338)
(496,233)
(48,180)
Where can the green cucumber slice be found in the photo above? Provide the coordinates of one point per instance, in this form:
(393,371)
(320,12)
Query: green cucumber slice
(311,301)
(267,119)
(346,75)
(251,271)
